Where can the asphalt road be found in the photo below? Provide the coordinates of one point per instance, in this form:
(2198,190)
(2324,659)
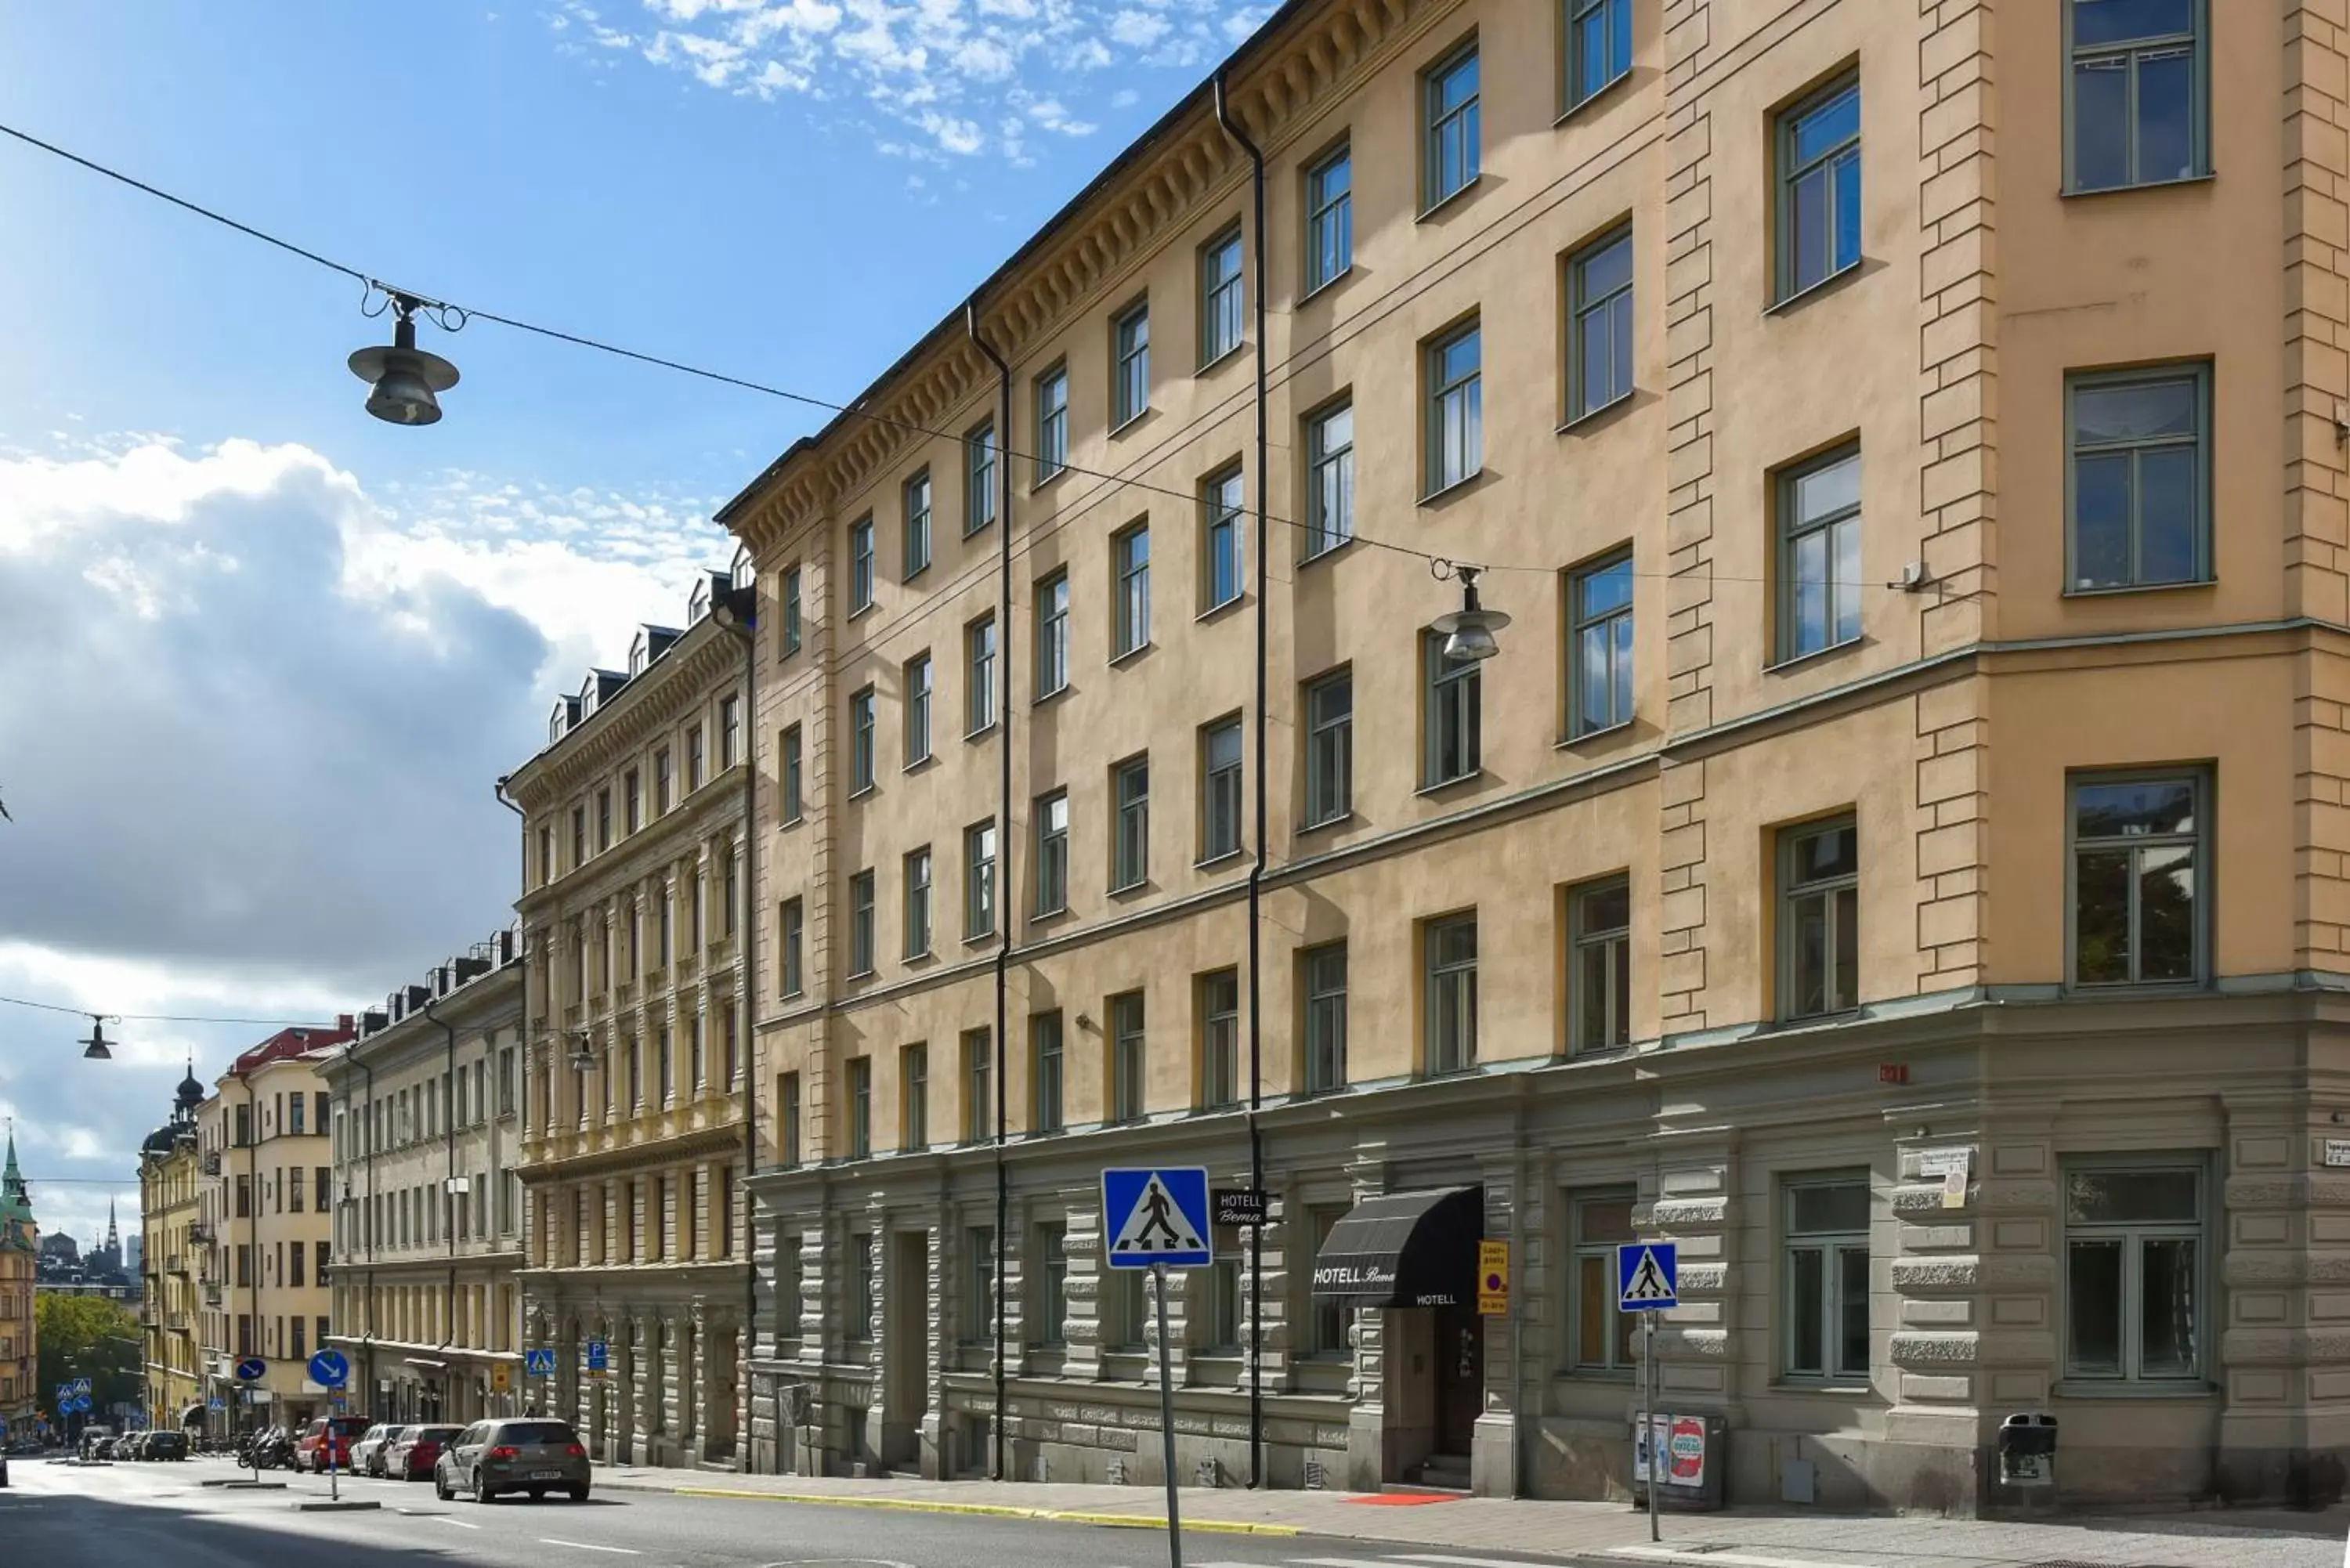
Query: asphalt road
(64,1516)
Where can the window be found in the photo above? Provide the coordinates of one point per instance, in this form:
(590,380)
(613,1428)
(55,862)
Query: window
(1053,852)
(794,926)
(1826,1271)
(1451,945)
(1220,1039)
(1221,298)
(1599,331)
(978,1086)
(578,836)
(1052,423)
(603,820)
(914,1086)
(978,478)
(789,749)
(791,598)
(1600,976)
(1819,187)
(1456,409)
(978,1284)
(1819,928)
(1130,555)
(2135,110)
(1126,1311)
(788,1118)
(693,758)
(632,802)
(860,1264)
(1329,479)
(1449,90)
(861,567)
(1326,1018)
(667,1062)
(2134,1271)
(1454,714)
(297,1115)
(860,741)
(1819,554)
(1130,367)
(917,676)
(1052,634)
(1600,1337)
(1327,1326)
(979,675)
(1222,574)
(2138,877)
(1329,218)
(1220,1330)
(1044,1072)
(1131,838)
(978,880)
(1599,46)
(660,781)
(917,500)
(1129,1082)
(860,1106)
(1600,678)
(918,903)
(1219,790)
(1051,1308)
(1329,748)
(546,852)
(2139,486)
(860,923)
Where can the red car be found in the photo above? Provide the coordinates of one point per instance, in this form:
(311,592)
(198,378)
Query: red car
(327,1440)
(412,1456)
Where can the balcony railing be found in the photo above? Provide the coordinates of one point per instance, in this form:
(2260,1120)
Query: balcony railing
(211,1163)
(200,1234)
(176,1264)
(212,1292)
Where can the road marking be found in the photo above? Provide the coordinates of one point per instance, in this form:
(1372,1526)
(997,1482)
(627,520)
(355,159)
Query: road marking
(583,1546)
(444,1519)
(1465,1562)
(1344,1562)
(1734,1559)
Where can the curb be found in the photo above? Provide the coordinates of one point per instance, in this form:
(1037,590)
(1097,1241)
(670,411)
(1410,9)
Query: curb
(983,1509)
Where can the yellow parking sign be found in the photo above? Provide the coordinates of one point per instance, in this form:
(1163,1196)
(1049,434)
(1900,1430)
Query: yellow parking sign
(1494,1279)
(501,1378)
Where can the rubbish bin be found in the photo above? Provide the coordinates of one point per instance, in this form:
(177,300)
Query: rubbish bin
(2027,1449)
(1693,1449)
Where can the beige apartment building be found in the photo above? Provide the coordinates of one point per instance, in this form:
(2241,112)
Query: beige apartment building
(175,1243)
(266,1198)
(634,1141)
(426,1141)
(1894,850)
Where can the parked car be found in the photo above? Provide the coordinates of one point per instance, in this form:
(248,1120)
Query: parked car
(133,1446)
(166,1443)
(367,1454)
(412,1455)
(327,1440)
(530,1455)
(91,1438)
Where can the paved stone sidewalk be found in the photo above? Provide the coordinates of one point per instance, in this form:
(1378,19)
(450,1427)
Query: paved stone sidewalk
(1606,1532)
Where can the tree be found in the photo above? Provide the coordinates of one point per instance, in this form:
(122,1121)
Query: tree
(92,1338)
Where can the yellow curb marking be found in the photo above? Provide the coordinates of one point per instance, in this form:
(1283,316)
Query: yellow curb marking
(996,1510)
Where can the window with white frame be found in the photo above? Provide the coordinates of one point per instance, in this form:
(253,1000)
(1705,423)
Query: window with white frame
(1220,1039)
(860,1106)
(1131,364)
(1599,325)
(918,902)
(1129,1067)
(860,923)
(860,566)
(978,477)
(1825,1261)
(1052,634)
(978,1086)
(1599,677)
(1222,297)
(1450,946)
(1048,1309)
(1456,408)
(1223,574)
(1329,217)
(794,926)
(2136,1296)
(790,595)
(917,503)
(1052,818)
(1600,1337)
(1326,1017)
(1449,112)
(918,683)
(860,741)
(1819,919)
(1819,554)
(1052,422)
(1044,1078)
(1454,718)
(2139,869)
(859,1261)
(788,747)
(1819,186)
(2139,475)
(1130,563)
(1599,46)
(1600,976)
(1329,477)
(979,880)
(1329,747)
(979,675)
(914,1093)
(2135,105)
(1130,833)
(1219,790)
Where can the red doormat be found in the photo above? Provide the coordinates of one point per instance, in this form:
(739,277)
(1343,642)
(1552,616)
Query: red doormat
(1402,1499)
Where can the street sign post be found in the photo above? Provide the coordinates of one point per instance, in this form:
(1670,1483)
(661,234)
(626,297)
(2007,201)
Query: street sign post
(1157,1218)
(329,1369)
(1648,1282)
(599,1356)
(538,1363)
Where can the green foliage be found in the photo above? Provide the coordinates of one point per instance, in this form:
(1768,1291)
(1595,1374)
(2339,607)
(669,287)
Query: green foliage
(92,1338)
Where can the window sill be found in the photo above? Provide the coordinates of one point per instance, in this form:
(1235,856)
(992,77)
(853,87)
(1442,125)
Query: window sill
(1444,493)
(1581,422)
(860,791)
(1042,698)
(1046,917)
(1604,90)
(1326,286)
(1038,485)
(1220,360)
(1451,198)
(1131,421)
(1342,819)
(916,960)
(1813,291)
(2105,592)
(981,732)
(1127,891)
(1446,786)
(917,764)
(974,530)
(975,939)
(2134,990)
(1597,1052)
(1221,858)
(790,652)
(1216,611)
(1822,1385)
(1335,547)
(1136,651)
(1596,733)
(2070,191)
(1594,1375)
(1813,1020)
(1797,660)
(866,974)
(913,572)
(2118,1388)
(862,610)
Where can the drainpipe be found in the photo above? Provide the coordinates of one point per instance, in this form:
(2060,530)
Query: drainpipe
(522,1038)
(1004,825)
(448,1193)
(1256,867)
(360,1226)
(745,957)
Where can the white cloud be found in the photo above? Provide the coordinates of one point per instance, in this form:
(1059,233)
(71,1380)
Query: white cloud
(1139,29)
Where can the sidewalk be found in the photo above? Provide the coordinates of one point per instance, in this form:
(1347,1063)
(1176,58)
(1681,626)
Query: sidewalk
(1599,1531)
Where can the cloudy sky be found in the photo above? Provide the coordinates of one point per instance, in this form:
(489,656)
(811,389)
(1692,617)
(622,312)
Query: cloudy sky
(261,658)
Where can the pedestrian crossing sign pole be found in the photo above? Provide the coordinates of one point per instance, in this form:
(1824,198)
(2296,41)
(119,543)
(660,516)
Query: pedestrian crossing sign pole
(1648,1281)
(1156,1218)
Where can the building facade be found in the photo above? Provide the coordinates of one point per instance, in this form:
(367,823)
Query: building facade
(633,1145)
(20,1242)
(426,1139)
(1895,850)
(265,1195)
(174,1243)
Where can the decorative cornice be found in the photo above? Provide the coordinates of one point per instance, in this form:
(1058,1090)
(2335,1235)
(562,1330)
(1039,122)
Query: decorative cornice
(696,662)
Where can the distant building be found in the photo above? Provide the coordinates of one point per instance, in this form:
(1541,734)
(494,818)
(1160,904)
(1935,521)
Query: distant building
(168,1187)
(19,1264)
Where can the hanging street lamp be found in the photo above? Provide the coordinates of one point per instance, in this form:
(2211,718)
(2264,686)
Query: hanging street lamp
(95,1048)
(406,379)
(1468,631)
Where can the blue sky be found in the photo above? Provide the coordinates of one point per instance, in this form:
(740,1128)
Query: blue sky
(260,656)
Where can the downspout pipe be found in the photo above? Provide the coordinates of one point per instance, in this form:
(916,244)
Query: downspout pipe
(1225,118)
(521,1039)
(1003,437)
(743,622)
(359,1222)
(448,1186)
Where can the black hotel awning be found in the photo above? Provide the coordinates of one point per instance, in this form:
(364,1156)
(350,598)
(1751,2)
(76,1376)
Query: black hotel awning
(1404,1249)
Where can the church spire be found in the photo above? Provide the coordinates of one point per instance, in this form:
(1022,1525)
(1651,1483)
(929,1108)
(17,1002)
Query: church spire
(113,1236)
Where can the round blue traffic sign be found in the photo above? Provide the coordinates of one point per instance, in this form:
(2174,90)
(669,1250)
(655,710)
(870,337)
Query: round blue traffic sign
(252,1369)
(330,1370)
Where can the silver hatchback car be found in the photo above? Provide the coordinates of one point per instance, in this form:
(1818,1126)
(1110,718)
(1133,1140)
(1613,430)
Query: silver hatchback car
(521,1453)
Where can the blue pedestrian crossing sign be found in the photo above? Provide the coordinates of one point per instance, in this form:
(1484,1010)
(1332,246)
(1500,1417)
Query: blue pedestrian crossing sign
(1154,1215)
(1648,1276)
(81,1387)
(599,1356)
(328,1369)
(538,1363)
